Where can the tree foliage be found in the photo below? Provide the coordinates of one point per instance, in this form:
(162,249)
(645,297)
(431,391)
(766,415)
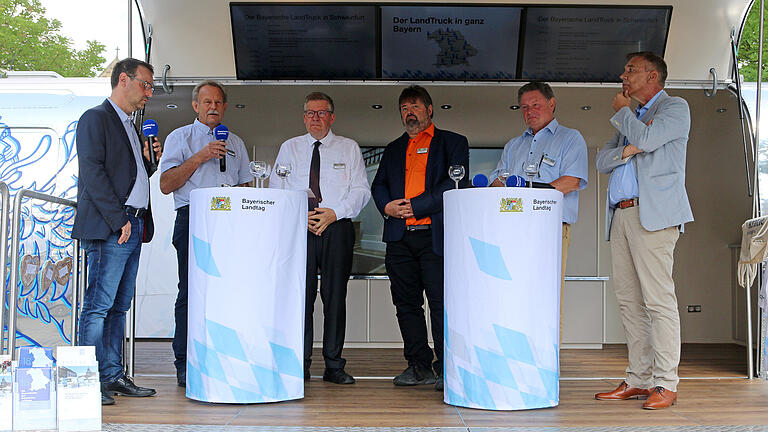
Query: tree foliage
(30,41)
(749,45)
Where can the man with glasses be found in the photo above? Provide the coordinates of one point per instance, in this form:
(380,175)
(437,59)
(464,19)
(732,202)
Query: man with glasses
(559,152)
(647,207)
(332,168)
(408,191)
(113,218)
(192,160)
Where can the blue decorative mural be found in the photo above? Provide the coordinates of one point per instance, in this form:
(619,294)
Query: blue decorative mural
(43,160)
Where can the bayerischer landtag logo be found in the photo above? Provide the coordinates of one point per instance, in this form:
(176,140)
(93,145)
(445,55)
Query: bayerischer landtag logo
(221,203)
(511,205)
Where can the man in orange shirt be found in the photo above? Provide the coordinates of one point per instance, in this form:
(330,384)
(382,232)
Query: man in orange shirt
(408,191)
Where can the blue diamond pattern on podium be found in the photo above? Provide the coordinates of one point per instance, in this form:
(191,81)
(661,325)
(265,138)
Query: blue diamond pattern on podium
(209,362)
(489,259)
(476,390)
(286,360)
(225,340)
(495,368)
(514,344)
(270,383)
(204,257)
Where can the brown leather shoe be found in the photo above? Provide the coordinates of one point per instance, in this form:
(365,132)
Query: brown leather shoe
(624,392)
(660,398)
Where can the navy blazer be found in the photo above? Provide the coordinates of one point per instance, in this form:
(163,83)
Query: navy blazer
(446,149)
(106,174)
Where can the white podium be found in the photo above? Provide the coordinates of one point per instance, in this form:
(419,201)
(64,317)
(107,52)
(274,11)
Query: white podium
(502,297)
(247,267)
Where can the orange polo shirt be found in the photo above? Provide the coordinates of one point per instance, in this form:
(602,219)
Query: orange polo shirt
(416,169)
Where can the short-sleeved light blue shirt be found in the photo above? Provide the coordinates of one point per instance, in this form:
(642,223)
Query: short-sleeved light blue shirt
(561,151)
(185,141)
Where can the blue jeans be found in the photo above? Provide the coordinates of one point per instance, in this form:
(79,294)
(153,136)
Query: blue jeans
(111,284)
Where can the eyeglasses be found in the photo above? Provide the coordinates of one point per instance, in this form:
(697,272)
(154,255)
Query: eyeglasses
(147,85)
(320,114)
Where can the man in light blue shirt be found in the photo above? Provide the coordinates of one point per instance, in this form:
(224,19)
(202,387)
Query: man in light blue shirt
(560,152)
(192,160)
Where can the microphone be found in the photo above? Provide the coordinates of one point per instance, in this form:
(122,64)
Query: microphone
(221,133)
(515,181)
(480,180)
(149,129)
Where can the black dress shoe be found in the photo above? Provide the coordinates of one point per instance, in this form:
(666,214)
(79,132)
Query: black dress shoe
(415,375)
(181,377)
(337,376)
(107,399)
(439,383)
(123,386)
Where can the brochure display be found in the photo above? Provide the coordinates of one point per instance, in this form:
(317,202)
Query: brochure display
(78,391)
(34,390)
(247,267)
(6,396)
(502,297)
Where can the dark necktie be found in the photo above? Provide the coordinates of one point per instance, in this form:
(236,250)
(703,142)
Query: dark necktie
(314,177)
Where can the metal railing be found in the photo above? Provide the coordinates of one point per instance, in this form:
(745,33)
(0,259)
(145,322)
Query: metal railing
(5,200)
(13,285)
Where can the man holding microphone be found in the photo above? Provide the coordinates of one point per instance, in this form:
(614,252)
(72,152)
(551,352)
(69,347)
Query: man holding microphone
(193,159)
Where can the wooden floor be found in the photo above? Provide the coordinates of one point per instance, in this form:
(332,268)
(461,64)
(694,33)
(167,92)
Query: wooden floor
(377,403)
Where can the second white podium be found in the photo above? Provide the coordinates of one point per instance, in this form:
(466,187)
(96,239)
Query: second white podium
(502,297)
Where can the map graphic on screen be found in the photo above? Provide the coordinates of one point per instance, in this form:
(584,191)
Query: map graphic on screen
(449,42)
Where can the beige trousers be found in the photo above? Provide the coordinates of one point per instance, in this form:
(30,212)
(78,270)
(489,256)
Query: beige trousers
(566,243)
(642,276)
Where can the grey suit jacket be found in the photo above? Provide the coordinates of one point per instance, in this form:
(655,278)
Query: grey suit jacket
(661,165)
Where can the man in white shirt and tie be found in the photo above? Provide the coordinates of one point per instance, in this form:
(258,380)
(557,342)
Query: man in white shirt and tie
(332,167)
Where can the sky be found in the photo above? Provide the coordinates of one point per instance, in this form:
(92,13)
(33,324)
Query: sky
(103,20)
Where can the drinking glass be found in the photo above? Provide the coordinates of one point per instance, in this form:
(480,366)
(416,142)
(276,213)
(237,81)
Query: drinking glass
(283,170)
(456,173)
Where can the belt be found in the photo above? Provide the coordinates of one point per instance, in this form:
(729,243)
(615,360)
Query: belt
(417,227)
(135,212)
(627,203)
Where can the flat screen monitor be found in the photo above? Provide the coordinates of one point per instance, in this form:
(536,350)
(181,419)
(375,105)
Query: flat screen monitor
(449,42)
(589,43)
(300,41)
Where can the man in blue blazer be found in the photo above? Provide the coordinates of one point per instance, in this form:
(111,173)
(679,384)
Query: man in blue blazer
(408,191)
(646,208)
(113,218)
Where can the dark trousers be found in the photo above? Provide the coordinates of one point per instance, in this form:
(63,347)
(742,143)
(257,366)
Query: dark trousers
(414,269)
(181,243)
(331,254)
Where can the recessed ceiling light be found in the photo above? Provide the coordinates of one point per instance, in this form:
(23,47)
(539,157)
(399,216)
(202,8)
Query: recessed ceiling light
(722,110)
(514,107)
(171,106)
(445,106)
(239,106)
(376,106)
(586,108)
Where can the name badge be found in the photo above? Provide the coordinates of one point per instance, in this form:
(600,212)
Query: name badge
(339,166)
(548,160)
(422,150)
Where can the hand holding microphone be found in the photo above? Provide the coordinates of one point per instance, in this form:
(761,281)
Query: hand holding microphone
(221,133)
(149,129)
